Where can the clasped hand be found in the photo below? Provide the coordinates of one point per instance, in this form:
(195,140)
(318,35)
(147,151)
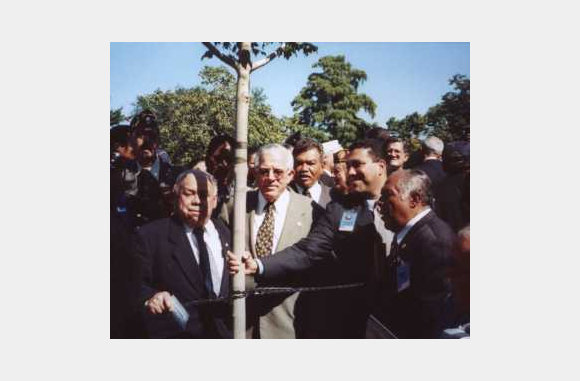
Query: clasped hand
(250,264)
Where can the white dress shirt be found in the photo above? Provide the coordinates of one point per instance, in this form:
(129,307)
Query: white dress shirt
(315,191)
(280,209)
(214,249)
(403,232)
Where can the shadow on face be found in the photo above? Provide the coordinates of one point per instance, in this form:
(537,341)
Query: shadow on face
(196,199)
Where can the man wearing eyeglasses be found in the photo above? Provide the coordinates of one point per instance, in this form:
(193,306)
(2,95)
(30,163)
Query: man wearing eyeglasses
(347,242)
(276,219)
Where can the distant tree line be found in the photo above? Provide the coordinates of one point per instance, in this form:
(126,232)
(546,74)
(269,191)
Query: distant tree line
(327,107)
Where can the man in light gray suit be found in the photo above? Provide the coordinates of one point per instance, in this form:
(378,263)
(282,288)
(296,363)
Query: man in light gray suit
(276,219)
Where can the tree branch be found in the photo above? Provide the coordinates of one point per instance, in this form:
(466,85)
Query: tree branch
(270,57)
(226,59)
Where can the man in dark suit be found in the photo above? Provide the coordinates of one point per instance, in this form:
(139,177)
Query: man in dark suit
(432,150)
(417,301)
(452,194)
(183,256)
(344,243)
(308,157)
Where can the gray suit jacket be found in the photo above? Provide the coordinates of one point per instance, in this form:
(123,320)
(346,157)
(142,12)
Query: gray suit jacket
(273,317)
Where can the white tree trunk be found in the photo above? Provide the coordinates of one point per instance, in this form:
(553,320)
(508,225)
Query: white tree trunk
(241,175)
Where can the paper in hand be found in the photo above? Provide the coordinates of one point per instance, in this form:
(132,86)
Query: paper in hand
(179,312)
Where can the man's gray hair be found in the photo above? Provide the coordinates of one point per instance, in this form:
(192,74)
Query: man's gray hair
(286,154)
(433,145)
(198,174)
(415,183)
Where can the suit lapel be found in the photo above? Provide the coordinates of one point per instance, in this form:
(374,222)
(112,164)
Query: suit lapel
(183,254)
(293,216)
(415,229)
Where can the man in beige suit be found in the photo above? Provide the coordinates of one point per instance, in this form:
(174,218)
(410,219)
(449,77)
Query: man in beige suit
(276,219)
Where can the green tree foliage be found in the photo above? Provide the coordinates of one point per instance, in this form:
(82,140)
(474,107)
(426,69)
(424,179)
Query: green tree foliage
(117,116)
(448,120)
(190,118)
(228,52)
(330,100)
(292,125)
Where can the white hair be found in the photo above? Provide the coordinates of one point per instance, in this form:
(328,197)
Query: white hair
(415,183)
(433,145)
(279,149)
(198,174)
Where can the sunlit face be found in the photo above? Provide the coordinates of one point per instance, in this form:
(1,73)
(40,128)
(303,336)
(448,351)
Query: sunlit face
(396,155)
(195,204)
(308,168)
(363,174)
(273,175)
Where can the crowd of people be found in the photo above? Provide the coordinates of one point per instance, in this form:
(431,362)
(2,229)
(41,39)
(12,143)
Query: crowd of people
(392,240)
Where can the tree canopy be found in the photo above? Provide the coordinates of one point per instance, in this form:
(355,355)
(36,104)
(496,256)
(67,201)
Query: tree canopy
(190,118)
(330,100)
(117,117)
(448,120)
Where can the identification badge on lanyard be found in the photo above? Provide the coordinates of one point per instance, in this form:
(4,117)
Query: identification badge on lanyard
(347,221)
(403,276)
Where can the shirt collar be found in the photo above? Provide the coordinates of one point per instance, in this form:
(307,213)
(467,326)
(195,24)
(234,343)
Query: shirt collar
(371,203)
(314,189)
(279,204)
(403,232)
(206,228)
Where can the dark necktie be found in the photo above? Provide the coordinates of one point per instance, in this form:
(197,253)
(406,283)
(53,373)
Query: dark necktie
(265,236)
(204,261)
(394,248)
(307,193)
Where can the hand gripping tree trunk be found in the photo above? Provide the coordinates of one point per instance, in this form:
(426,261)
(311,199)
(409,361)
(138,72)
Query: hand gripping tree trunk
(241,175)
(238,56)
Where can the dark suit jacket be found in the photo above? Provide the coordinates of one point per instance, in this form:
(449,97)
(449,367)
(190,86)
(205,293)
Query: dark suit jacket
(449,200)
(344,257)
(168,264)
(433,169)
(421,310)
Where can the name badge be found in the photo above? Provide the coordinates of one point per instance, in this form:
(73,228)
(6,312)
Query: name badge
(347,221)
(403,276)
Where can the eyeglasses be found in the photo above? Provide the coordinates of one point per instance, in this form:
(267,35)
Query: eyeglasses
(355,164)
(278,173)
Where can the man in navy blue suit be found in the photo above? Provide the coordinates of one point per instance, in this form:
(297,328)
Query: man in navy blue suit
(183,256)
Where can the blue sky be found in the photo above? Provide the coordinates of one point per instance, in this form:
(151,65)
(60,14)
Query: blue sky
(402,77)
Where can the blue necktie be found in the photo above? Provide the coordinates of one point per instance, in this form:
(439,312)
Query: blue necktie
(204,261)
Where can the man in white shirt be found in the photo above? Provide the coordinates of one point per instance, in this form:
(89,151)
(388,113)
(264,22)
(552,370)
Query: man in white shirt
(183,256)
(276,218)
